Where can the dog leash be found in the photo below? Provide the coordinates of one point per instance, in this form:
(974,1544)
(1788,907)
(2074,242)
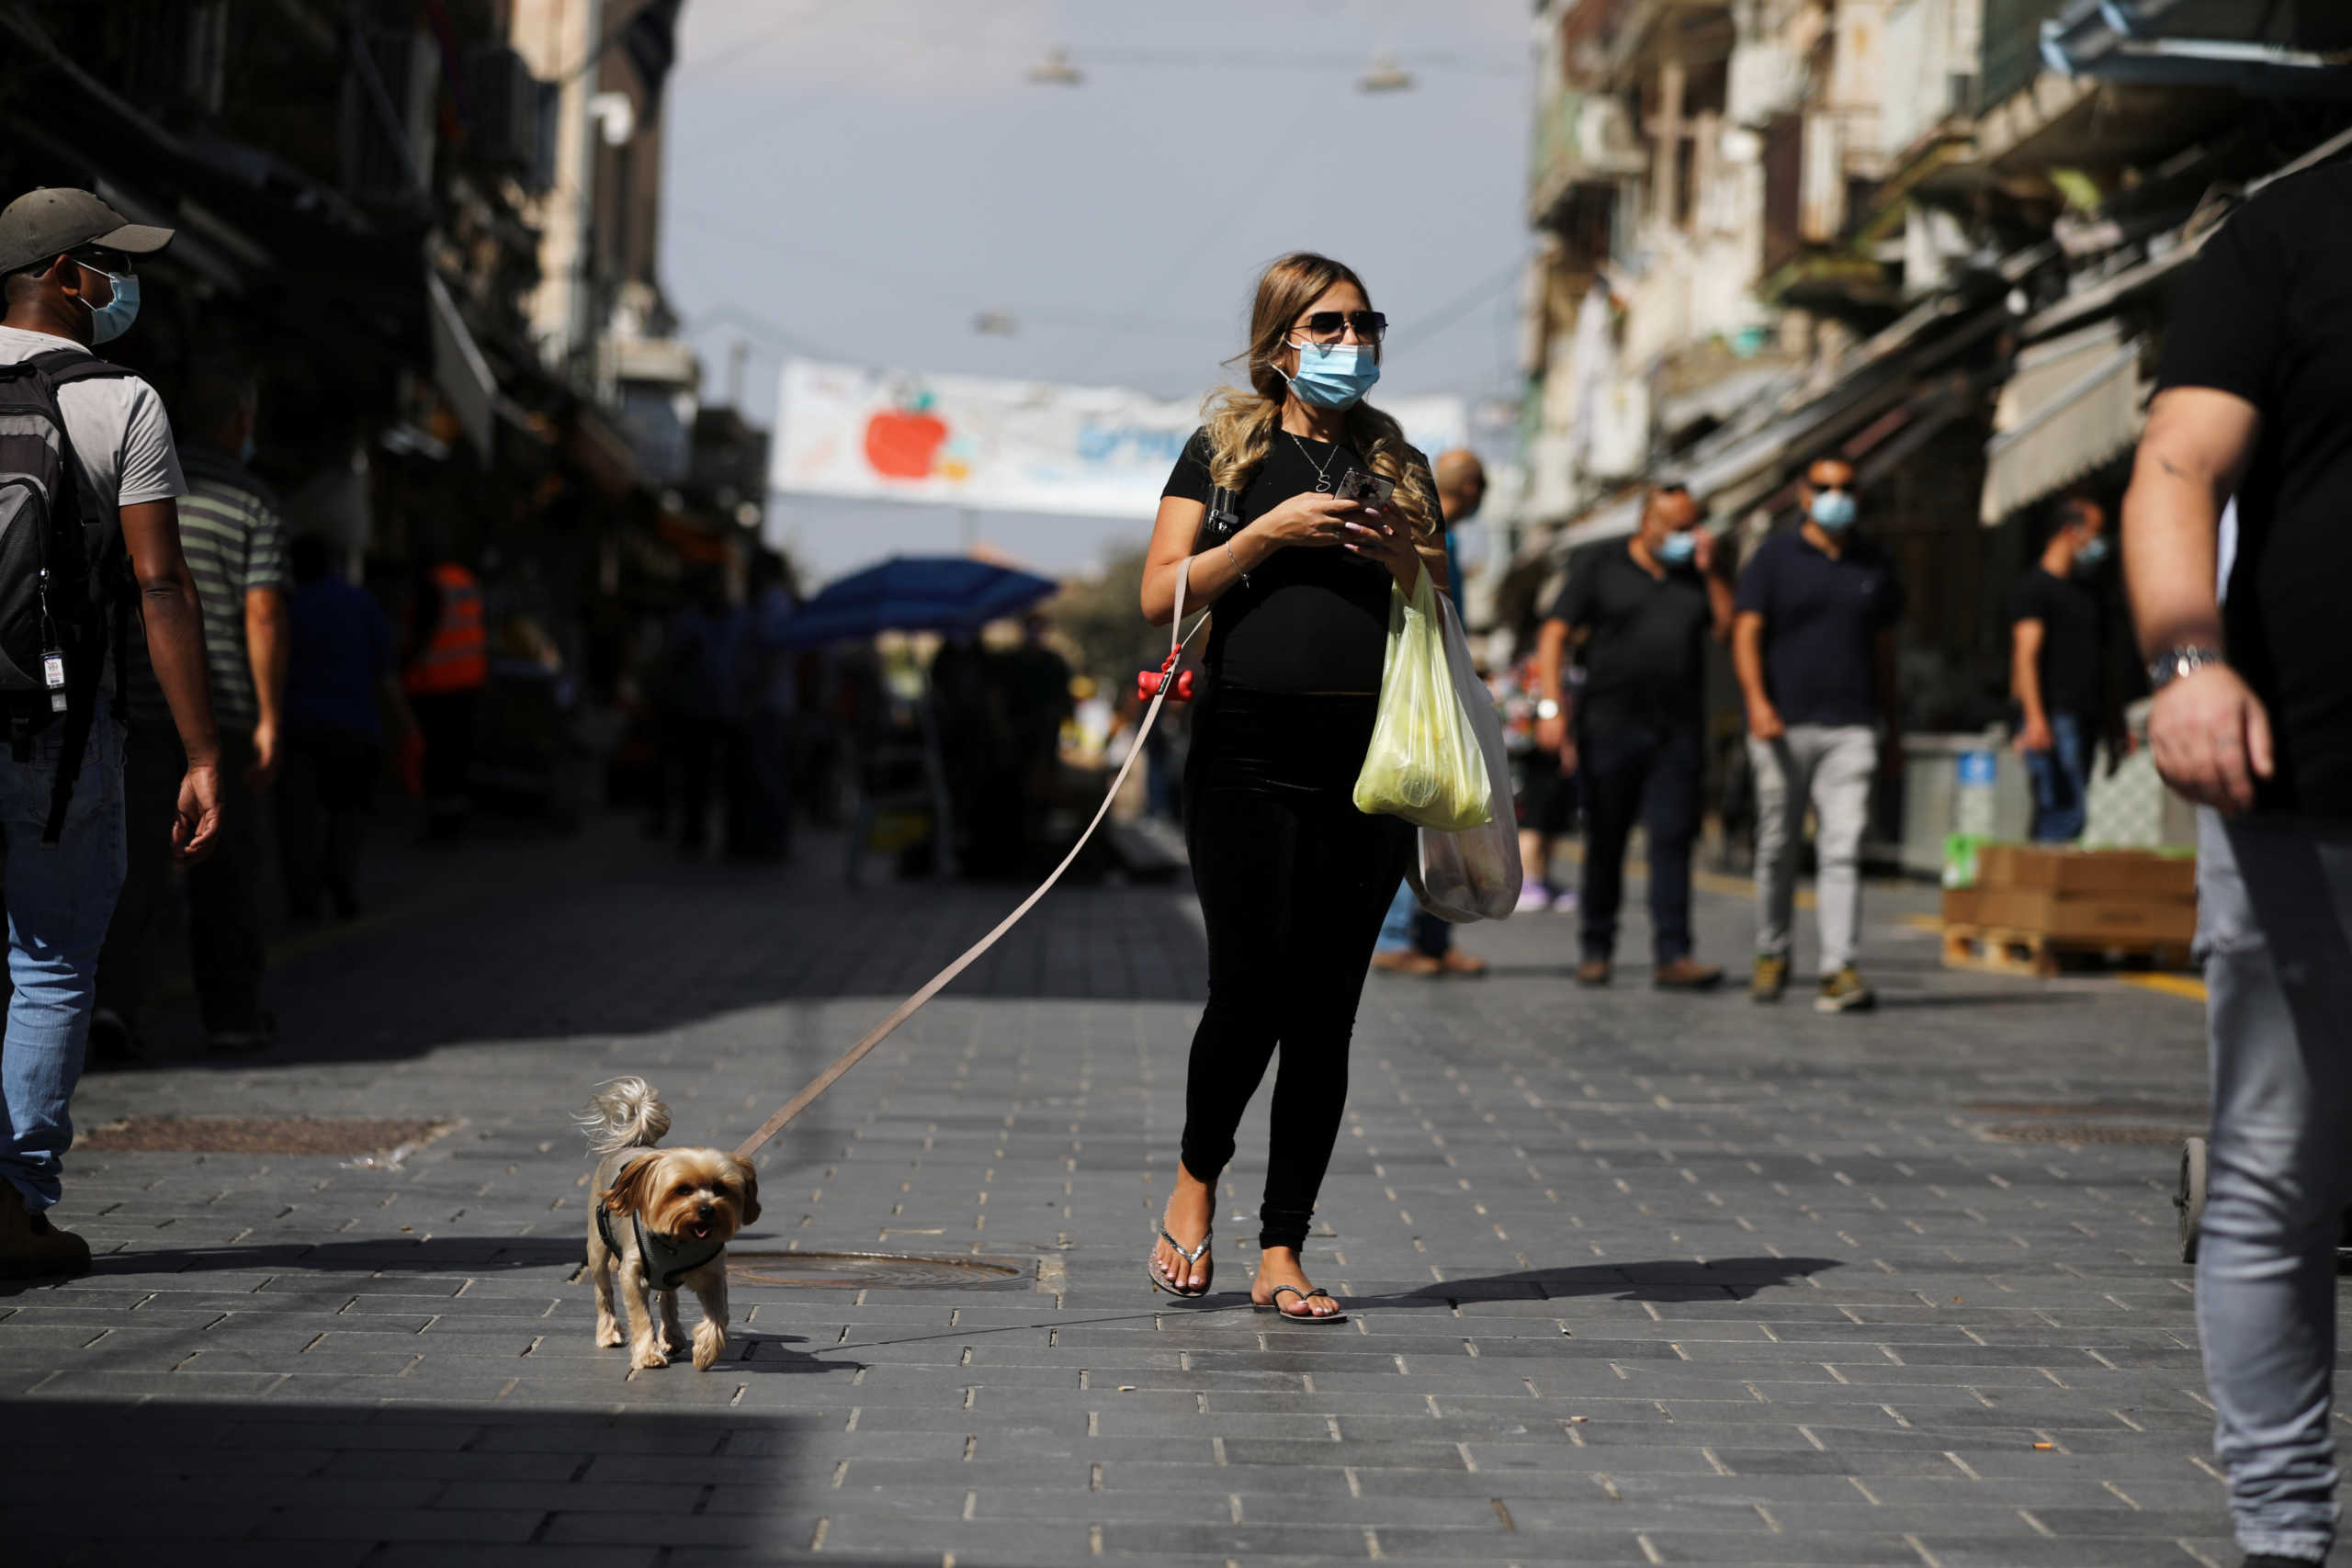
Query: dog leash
(932,986)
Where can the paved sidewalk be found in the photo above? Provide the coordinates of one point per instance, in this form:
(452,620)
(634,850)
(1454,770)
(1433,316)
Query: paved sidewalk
(1636,1278)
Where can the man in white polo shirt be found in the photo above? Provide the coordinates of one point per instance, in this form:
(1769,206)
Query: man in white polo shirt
(67,267)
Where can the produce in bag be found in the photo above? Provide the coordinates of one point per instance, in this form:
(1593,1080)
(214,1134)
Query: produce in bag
(1424,763)
(1473,874)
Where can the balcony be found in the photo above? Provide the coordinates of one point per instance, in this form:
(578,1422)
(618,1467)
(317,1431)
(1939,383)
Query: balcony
(1580,139)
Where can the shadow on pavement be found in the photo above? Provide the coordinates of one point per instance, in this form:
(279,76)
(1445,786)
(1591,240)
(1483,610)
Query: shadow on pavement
(1663,1279)
(646,946)
(298,1482)
(1941,999)
(393,1255)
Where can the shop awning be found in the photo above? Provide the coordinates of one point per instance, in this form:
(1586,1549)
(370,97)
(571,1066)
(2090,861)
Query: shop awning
(1731,469)
(2073,403)
(2216,43)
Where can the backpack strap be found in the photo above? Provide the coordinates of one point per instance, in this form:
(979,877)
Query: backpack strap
(62,364)
(80,712)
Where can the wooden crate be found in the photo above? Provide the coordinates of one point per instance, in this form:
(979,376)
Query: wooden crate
(2009,952)
(2136,874)
(2033,931)
(2097,918)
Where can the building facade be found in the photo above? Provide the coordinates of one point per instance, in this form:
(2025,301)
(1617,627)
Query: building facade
(1935,237)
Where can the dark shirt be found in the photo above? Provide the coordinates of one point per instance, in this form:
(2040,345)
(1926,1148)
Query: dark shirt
(1309,619)
(2071,634)
(1646,658)
(2265,313)
(1822,617)
(340,651)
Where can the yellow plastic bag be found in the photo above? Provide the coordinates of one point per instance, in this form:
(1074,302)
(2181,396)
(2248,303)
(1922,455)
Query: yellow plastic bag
(1424,762)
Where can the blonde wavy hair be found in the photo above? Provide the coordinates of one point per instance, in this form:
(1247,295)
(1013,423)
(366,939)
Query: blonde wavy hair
(1242,424)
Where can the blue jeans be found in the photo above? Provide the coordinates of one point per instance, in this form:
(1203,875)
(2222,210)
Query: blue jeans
(2060,776)
(2274,925)
(1407,925)
(58,903)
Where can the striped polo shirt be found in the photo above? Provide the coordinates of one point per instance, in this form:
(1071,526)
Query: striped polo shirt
(235,543)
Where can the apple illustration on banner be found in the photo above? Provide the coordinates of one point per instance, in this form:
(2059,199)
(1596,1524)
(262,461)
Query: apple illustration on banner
(901,442)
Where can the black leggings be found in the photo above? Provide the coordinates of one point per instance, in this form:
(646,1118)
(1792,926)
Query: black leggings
(1294,882)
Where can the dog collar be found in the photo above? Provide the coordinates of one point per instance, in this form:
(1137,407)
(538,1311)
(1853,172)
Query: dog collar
(666,1262)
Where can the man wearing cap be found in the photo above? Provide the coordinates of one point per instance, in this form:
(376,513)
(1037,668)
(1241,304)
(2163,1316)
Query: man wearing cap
(68,267)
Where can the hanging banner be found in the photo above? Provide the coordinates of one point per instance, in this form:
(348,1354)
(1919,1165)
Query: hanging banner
(1002,445)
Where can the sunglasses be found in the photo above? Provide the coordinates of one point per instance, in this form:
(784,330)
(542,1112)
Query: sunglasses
(114,263)
(1327,326)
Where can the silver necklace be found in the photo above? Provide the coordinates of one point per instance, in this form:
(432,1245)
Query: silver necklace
(1322,470)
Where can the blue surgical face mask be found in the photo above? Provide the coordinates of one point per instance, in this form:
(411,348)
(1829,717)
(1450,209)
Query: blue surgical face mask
(1835,510)
(1334,376)
(1677,548)
(110,321)
(2091,553)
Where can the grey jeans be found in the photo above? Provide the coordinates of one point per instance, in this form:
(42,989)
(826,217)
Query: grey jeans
(2274,925)
(1832,765)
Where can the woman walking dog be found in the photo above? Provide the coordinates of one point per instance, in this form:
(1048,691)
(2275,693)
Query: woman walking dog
(1293,879)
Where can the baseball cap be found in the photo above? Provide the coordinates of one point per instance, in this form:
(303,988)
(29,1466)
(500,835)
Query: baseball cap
(43,223)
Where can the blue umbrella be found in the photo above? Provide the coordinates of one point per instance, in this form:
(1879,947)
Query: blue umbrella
(907,593)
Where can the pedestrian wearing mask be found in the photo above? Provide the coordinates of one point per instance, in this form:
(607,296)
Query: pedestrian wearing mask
(1812,639)
(2253,720)
(1293,879)
(2057,668)
(68,263)
(1642,610)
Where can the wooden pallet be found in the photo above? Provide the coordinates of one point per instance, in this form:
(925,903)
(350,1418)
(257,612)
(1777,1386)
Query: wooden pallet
(2008,951)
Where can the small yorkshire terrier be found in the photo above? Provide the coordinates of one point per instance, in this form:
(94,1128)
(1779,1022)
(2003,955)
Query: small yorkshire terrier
(663,1218)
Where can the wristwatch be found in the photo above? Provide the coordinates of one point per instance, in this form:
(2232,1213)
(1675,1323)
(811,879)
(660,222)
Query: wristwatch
(1547,708)
(2174,663)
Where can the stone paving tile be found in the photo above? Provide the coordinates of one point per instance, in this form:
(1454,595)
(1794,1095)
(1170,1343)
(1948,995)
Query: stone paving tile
(1636,1279)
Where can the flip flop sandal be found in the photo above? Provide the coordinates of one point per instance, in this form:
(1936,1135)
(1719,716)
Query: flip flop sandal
(1275,1306)
(1190,1255)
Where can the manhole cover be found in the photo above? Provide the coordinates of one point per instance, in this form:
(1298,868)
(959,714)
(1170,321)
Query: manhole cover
(2086,1132)
(258,1135)
(870,1270)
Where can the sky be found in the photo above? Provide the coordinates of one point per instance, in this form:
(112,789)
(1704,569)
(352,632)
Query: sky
(858,182)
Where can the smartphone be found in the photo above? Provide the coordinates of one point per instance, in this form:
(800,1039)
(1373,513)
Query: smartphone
(1369,489)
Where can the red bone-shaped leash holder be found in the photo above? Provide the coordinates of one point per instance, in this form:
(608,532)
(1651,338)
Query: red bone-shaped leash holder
(1148,682)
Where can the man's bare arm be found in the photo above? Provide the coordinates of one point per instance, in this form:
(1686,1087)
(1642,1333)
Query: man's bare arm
(1747,660)
(268,644)
(2210,733)
(150,534)
(2025,684)
(2191,457)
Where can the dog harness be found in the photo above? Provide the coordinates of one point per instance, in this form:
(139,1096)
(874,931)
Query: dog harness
(666,1262)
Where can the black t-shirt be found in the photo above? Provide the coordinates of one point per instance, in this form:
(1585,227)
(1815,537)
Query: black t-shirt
(1822,617)
(2071,641)
(1646,658)
(1308,619)
(2266,312)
